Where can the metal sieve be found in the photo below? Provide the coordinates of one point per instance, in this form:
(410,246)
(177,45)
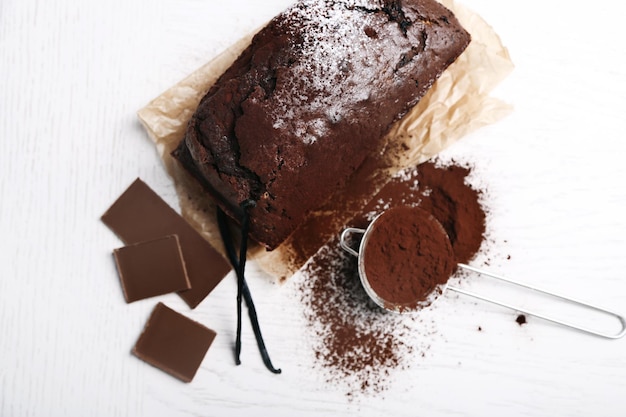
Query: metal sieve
(441,289)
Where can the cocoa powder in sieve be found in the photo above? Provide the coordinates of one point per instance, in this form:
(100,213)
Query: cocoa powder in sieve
(356,344)
(406,256)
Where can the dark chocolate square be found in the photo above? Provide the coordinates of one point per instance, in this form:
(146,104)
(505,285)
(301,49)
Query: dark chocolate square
(151,268)
(173,343)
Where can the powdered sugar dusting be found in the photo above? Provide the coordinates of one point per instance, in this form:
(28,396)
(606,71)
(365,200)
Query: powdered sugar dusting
(336,67)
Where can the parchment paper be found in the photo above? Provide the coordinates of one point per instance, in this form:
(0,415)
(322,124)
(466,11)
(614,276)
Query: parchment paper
(458,103)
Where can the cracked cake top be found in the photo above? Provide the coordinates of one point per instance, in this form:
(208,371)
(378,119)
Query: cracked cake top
(310,99)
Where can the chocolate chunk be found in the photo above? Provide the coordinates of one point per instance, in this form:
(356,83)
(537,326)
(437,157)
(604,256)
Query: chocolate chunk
(139,214)
(151,268)
(173,343)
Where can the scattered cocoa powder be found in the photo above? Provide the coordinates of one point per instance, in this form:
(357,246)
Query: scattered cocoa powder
(356,344)
(442,190)
(406,255)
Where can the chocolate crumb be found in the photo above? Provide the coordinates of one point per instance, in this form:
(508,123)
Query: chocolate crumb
(521,319)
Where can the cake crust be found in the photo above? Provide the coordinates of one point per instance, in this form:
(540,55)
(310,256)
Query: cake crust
(310,98)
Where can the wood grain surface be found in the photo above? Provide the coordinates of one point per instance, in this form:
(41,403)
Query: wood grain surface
(74,73)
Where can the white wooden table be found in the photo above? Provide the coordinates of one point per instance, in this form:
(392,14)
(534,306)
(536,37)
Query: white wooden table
(73,74)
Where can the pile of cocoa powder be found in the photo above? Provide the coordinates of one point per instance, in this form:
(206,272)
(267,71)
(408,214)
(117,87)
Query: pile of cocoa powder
(357,344)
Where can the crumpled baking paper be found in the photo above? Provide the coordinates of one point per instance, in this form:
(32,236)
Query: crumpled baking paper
(458,103)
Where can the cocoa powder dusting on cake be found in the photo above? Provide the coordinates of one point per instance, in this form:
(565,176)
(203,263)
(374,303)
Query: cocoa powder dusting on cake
(357,345)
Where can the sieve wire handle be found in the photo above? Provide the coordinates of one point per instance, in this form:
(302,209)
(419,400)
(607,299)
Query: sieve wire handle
(542,316)
(344,237)
(352,230)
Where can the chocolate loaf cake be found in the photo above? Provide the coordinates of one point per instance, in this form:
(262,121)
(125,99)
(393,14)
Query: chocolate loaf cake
(310,98)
